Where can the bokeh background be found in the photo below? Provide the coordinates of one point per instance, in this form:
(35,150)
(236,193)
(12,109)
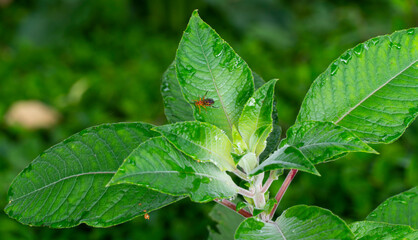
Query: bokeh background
(82,63)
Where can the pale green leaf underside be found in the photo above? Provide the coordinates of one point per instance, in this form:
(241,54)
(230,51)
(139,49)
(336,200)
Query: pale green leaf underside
(65,185)
(371,89)
(366,230)
(286,158)
(200,140)
(323,141)
(157,164)
(228,222)
(298,222)
(399,209)
(176,108)
(206,63)
(257,113)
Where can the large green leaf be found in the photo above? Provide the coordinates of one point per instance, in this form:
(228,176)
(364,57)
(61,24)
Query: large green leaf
(323,141)
(256,115)
(202,141)
(228,222)
(176,108)
(158,165)
(206,63)
(274,137)
(383,231)
(298,222)
(399,209)
(371,89)
(286,158)
(65,185)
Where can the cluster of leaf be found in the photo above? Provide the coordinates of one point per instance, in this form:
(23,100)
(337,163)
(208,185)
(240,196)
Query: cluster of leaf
(111,173)
(93,62)
(393,219)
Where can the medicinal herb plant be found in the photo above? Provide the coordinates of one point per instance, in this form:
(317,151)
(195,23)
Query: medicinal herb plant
(223,144)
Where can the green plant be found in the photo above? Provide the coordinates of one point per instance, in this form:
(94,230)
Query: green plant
(231,149)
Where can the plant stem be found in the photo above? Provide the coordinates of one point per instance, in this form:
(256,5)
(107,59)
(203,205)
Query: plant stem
(232,206)
(240,174)
(245,192)
(283,189)
(259,200)
(268,183)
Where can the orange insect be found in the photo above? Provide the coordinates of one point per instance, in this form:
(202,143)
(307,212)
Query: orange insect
(204,102)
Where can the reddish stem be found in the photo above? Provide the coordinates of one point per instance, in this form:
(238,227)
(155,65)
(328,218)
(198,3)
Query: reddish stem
(283,189)
(232,206)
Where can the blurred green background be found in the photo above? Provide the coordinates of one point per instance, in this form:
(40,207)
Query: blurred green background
(101,61)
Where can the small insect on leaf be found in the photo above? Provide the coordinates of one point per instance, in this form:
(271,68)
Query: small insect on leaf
(146,216)
(204,102)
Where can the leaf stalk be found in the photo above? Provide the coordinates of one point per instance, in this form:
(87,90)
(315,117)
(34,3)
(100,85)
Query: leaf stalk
(282,190)
(232,206)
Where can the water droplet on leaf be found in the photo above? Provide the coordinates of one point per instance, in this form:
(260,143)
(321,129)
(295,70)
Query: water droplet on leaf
(346,57)
(358,50)
(375,40)
(395,45)
(334,68)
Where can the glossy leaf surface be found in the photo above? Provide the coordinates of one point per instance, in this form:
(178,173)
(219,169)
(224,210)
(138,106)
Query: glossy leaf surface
(286,158)
(298,222)
(206,63)
(176,108)
(202,141)
(258,139)
(383,231)
(256,117)
(227,223)
(65,185)
(323,141)
(371,89)
(274,137)
(399,209)
(158,165)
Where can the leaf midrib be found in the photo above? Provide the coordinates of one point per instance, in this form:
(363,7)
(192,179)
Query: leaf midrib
(326,143)
(280,231)
(171,172)
(213,80)
(63,179)
(373,92)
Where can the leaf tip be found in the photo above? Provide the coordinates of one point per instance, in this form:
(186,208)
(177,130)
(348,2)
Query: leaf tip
(368,149)
(372,150)
(115,180)
(315,172)
(110,183)
(195,13)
